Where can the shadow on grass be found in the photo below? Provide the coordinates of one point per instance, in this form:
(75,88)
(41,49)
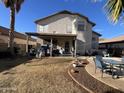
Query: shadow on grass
(8,63)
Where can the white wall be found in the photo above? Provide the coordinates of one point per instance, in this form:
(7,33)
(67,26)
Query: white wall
(61,23)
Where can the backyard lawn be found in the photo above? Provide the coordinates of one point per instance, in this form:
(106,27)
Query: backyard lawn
(48,75)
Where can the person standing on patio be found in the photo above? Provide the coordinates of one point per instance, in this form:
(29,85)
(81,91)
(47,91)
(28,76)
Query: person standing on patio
(72,50)
(61,51)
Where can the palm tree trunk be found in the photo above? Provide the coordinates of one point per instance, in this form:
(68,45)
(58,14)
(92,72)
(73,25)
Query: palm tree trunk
(11,32)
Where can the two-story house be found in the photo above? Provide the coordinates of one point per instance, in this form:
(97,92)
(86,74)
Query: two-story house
(65,30)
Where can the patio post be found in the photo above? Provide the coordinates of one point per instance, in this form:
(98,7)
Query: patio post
(51,48)
(27,43)
(75,46)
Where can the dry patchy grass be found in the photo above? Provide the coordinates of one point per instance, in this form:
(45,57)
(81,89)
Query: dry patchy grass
(38,76)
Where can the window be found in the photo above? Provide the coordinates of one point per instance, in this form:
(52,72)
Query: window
(42,28)
(39,28)
(45,28)
(93,38)
(69,29)
(81,26)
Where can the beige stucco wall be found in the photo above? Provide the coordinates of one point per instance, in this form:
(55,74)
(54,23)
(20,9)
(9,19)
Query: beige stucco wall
(3,43)
(16,40)
(62,23)
(21,43)
(4,38)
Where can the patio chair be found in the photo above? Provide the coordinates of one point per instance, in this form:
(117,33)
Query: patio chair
(122,66)
(99,63)
(122,59)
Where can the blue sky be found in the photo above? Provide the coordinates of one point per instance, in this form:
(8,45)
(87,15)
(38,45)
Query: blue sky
(35,9)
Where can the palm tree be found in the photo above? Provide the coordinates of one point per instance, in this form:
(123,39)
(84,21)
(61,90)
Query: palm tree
(114,9)
(14,6)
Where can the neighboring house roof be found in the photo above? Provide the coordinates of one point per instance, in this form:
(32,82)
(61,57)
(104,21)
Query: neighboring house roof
(102,39)
(66,12)
(113,40)
(5,31)
(97,33)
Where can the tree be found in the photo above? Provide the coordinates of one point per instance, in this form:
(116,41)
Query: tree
(114,9)
(15,6)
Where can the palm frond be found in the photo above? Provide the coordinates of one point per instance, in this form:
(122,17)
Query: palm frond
(18,5)
(114,9)
(7,3)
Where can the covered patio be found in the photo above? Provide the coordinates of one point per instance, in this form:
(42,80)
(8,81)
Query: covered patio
(67,42)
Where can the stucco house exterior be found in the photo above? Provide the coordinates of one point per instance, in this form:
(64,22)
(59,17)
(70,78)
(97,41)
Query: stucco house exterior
(20,40)
(68,31)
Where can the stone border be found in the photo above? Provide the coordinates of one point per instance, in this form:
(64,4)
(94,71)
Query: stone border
(90,91)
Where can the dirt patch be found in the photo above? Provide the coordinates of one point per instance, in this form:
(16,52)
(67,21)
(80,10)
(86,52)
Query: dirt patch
(38,76)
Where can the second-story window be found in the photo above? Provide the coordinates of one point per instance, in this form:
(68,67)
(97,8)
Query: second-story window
(43,28)
(69,29)
(81,26)
(93,38)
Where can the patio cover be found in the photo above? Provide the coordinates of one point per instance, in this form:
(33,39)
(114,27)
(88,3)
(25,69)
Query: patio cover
(42,35)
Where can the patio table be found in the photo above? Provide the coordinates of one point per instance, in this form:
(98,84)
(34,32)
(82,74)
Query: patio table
(113,63)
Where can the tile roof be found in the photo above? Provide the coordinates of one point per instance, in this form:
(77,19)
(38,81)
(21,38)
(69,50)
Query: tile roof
(5,31)
(97,33)
(114,40)
(66,12)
